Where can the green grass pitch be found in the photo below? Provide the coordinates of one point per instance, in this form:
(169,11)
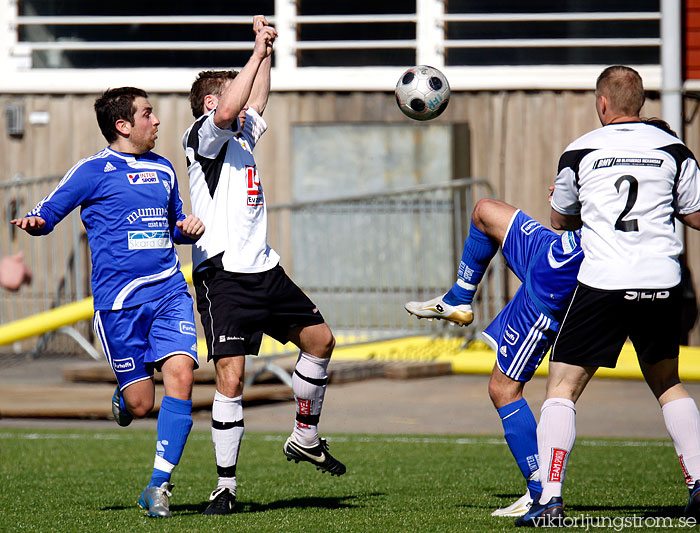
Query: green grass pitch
(82,480)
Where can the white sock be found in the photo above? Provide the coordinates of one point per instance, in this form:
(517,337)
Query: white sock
(226,433)
(683,424)
(309,386)
(556,435)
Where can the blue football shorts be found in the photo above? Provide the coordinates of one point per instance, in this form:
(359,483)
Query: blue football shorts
(520,333)
(138,339)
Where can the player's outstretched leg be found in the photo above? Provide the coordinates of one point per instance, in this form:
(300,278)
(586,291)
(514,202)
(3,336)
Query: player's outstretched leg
(309,384)
(438,308)
(156,500)
(121,414)
(455,305)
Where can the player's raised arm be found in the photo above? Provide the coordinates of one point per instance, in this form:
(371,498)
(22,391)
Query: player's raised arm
(261,85)
(238,91)
(259,22)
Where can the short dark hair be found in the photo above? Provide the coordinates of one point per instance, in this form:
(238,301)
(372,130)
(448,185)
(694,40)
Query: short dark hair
(661,124)
(208,82)
(116,104)
(623,88)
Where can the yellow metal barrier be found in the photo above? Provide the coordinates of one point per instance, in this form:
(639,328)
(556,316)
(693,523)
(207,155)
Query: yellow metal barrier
(477,358)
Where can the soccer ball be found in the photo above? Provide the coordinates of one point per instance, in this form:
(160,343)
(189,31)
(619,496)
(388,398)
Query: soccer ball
(422,92)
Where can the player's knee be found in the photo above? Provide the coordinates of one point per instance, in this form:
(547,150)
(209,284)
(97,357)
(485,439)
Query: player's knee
(140,408)
(324,345)
(500,396)
(481,211)
(229,384)
(181,383)
(494,394)
(504,391)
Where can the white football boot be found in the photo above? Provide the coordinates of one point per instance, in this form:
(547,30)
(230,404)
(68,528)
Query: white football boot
(461,315)
(517,508)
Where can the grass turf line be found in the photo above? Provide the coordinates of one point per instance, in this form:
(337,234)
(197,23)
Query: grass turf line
(78,480)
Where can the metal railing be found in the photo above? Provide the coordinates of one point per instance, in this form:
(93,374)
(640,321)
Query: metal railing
(60,265)
(359,258)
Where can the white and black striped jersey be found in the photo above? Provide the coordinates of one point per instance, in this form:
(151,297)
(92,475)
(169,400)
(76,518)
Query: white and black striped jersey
(627,181)
(227,195)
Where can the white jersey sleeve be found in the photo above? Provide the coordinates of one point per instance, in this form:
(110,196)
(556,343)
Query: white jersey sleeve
(565,198)
(211,137)
(688,188)
(253,127)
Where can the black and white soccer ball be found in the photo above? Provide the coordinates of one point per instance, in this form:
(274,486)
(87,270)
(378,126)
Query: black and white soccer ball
(422,92)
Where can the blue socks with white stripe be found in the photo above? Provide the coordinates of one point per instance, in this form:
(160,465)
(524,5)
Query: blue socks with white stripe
(478,251)
(174,425)
(520,431)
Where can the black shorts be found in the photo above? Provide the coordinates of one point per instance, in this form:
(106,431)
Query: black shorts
(236,309)
(599,322)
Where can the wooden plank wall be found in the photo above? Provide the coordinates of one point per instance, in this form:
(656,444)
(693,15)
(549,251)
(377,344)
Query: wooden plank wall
(516,138)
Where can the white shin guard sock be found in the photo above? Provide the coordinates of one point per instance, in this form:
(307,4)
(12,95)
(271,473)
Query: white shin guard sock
(227,432)
(556,434)
(309,384)
(683,424)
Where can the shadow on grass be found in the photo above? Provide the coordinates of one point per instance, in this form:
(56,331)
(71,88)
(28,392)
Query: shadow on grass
(183,509)
(331,502)
(508,496)
(341,502)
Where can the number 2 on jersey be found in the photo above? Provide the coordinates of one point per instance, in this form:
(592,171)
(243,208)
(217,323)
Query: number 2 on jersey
(627,225)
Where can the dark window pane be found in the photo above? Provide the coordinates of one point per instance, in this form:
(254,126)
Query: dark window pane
(552,56)
(334,32)
(553,30)
(356,58)
(554,6)
(324,7)
(140,32)
(152,7)
(138,59)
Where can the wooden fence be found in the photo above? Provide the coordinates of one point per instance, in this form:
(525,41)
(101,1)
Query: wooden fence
(514,138)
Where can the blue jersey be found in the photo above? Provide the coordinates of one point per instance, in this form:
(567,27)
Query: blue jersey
(129,207)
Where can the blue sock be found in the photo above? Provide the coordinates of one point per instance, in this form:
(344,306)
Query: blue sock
(520,430)
(476,256)
(174,424)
